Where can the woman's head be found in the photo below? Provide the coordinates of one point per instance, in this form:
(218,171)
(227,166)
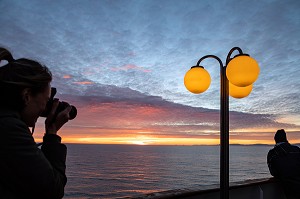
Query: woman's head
(23,83)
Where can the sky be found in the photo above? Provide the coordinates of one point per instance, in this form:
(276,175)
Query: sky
(122,64)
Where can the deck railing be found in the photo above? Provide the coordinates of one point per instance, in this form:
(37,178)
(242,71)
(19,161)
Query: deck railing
(267,188)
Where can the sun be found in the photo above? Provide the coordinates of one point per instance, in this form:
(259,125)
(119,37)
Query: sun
(138,142)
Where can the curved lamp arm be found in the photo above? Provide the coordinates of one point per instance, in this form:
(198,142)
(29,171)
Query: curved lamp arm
(218,59)
(230,52)
(210,56)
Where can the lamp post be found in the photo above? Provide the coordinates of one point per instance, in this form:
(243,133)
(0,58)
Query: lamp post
(240,72)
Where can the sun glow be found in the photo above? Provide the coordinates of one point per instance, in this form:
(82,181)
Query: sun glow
(138,142)
(172,141)
(150,137)
(143,141)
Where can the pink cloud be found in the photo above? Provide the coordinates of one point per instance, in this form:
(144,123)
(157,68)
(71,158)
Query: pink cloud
(84,83)
(131,67)
(67,76)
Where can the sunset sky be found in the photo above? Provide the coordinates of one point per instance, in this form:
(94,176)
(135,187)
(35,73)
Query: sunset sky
(122,64)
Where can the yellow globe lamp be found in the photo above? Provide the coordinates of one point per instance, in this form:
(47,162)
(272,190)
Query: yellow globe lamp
(239,92)
(242,70)
(197,80)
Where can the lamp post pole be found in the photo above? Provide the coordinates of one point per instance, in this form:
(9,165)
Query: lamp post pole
(224,123)
(224,136)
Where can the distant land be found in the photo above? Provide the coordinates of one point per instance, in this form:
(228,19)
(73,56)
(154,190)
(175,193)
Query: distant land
(298,144)
(251,144)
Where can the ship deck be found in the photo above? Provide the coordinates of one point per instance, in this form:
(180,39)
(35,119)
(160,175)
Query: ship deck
(266,188)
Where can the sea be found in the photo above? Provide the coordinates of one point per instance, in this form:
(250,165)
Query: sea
(124,171)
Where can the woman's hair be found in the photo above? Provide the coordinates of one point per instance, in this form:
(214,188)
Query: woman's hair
(17,75)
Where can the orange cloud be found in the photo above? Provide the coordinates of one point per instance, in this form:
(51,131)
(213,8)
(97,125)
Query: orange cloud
(84,83)
(152,136)
(67,76)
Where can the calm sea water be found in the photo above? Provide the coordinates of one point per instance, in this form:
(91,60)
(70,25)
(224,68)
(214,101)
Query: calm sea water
(115,171)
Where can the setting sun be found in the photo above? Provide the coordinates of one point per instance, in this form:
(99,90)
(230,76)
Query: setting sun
(138,142)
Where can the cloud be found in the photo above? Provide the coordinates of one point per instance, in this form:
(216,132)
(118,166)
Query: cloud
(83,83)
(131,56)
(67,76)
(130,67)
(111,107)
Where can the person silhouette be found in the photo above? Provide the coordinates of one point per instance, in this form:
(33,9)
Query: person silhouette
(26,171)
(284,164)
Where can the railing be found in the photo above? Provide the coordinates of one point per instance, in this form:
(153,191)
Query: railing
(267,188)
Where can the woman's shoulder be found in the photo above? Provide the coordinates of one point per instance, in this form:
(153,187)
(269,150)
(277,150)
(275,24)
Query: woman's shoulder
(9,117)
(11,125)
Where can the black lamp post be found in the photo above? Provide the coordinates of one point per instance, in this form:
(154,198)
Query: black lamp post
(243,71)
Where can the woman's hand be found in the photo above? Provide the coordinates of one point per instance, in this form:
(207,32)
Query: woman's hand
(52,123)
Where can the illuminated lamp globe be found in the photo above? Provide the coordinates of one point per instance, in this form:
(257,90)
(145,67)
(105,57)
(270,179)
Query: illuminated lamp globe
(197,80)
(242,70)
(239,92)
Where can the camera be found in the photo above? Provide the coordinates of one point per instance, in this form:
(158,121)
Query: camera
(61,106)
